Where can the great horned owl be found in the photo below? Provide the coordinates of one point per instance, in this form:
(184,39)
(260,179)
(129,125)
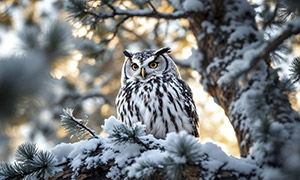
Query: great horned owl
(153,93)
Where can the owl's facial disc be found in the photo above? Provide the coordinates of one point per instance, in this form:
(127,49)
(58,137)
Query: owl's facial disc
(144,65)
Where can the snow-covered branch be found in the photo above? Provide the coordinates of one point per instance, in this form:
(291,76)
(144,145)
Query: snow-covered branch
(140,13)
(179,156)
(75,6)
(292,28)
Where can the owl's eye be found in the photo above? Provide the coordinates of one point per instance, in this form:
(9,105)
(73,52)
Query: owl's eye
(153,65)
(134,66)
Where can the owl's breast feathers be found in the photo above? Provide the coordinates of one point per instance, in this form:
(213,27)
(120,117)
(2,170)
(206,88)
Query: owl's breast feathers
(163,103)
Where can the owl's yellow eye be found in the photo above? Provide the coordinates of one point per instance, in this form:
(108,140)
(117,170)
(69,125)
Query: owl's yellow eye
(134,67)
(153,65)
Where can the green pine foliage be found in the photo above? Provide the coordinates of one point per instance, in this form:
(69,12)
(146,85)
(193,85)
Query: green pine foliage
(295,69)
(57,39)
(75,126)
(30,164)
(183,150)
(77,9)
(26,152)
(123,134)
(146,167)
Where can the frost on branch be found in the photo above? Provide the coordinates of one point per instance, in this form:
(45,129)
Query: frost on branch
(75,126)
(128,152)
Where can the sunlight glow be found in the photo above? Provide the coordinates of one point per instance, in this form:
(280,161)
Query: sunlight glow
(81,32)
(214,125)
(66,66)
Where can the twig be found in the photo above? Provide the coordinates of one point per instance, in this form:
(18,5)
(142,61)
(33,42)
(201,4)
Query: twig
(138,13)
(273,16)
(84,127)
(138,141)
(117,27)
(111,7)
(151,5)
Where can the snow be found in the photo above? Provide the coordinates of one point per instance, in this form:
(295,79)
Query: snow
(195,60)
(152,158)
(214,151)
(183,147)
(240,33)
(132,160)
(193,5)
(127,152)
(61,151)
(208,26)
(109,124)
(295,25)
(78,153)
(242,65)
(219,158)
(176,4)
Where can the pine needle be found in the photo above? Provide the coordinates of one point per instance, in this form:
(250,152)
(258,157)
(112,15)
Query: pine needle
(295,69)
(75,126)
(123,134)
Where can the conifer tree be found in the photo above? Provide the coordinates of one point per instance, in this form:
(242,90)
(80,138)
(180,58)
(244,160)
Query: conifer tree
(236,52)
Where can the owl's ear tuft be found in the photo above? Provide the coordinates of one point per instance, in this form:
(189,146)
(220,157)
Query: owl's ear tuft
(127,53)
(162,51)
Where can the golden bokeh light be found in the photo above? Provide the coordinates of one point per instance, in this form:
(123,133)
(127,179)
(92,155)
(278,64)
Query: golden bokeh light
(66,66)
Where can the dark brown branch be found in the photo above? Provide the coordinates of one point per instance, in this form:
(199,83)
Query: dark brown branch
(111,7)
(139,13)
(151,5)
(83,126)
(117,27)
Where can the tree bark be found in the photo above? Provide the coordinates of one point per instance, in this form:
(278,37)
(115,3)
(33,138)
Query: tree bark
(218,54)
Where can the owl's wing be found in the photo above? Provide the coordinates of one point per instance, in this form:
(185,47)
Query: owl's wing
(189,106)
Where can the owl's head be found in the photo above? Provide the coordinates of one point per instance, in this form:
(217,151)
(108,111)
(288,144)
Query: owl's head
(148,63)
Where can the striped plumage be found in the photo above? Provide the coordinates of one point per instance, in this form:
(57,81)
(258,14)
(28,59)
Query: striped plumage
(153,93)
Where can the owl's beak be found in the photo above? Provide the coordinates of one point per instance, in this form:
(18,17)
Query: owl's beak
(143,72)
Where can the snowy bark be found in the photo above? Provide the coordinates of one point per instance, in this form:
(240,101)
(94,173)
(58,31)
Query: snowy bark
(228,40)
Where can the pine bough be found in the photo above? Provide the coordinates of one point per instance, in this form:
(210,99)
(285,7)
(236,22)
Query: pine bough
(126,153)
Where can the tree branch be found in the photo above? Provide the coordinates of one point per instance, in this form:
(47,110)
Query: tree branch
(151,5)
(68,117)
(291,29)
(139,13)
(117,27)
(85,127)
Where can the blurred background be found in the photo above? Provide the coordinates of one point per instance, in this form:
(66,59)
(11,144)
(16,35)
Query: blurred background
(49,61)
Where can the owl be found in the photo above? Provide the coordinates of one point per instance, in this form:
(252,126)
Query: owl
(153,93)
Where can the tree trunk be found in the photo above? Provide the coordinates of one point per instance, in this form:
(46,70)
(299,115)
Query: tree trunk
(220,49)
